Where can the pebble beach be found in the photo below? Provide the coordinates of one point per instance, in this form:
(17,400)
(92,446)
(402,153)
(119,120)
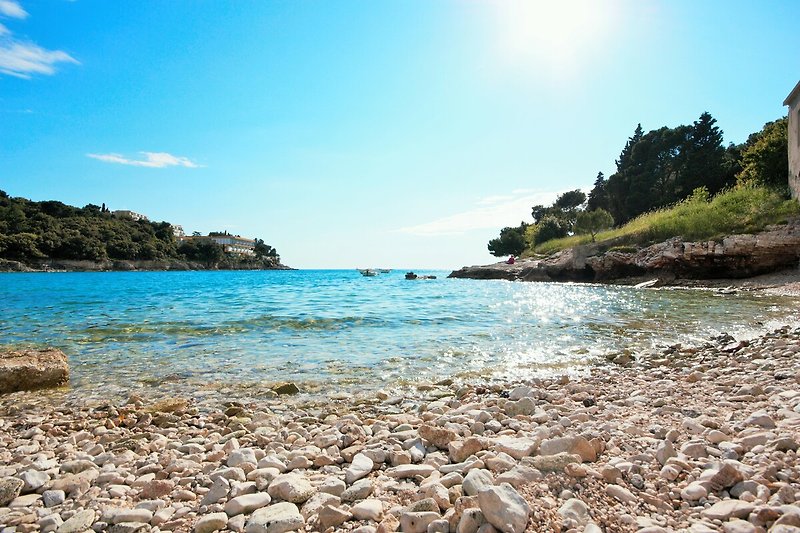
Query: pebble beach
(694,439)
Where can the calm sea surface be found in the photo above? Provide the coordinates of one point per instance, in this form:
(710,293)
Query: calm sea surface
(336,330)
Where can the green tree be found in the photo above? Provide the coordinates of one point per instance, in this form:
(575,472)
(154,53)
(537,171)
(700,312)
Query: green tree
(765,158)
(510,242)
(550,227)
(598,197)
(593,222)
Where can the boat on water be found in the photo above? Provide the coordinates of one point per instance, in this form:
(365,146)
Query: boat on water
(384,270)
(368,272)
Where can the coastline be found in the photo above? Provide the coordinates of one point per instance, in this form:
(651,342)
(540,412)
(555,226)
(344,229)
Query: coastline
(67,265)
(695,439)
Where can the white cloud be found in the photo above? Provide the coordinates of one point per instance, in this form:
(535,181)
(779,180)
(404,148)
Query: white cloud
(23,59)
(151,160)
(493,212)
(11,8)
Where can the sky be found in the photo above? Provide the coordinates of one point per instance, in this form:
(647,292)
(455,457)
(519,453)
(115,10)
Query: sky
(398,134)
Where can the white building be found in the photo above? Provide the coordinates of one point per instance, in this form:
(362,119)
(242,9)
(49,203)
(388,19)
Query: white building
(124,213)
(177,230)
(234,244)
(793,101)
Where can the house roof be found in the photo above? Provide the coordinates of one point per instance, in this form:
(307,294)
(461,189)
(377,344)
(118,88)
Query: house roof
(793,95)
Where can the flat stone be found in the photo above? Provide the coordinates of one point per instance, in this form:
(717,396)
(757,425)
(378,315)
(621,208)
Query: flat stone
(211,522)
(576,510)
(620,493)
(516,447)
(459,451)
(247,503)
(32,369)
(33,480)
(553,463)
(242,456)
(726,509)
(51,498)
(133,515)
(291,488)
(277,518)
(404,471)
(575,445)
(78,523)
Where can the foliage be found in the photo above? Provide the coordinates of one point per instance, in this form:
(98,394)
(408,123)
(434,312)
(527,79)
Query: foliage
(593,221)
(510,242)
(765,158)
(551,227)
(32,231)
(742,209)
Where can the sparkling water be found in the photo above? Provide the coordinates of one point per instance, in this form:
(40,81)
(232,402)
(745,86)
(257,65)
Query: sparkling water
(339,331)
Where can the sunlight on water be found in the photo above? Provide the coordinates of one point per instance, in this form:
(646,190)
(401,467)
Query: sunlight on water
(337,330)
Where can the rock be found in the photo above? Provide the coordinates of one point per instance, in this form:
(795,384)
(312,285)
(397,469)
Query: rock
(738,526)
(404,471)
(576,510)
(130,527)
(10,488)
(219,489)
(78,523)
(360,467)
(32,369)
(620,493)
(476,480)
(438,436)
(694,492)
(247,503)
(242,456)
(211,522)
(553,463)
(726,509)
(523,406)
(33,480)
(471,521)
(504,508)
(417,522)
(575,445)
(291,488)
(459,451)
(726,476)
(286,388)
(51,498)
(358,491)
(332,516)
(368,510)
(277,518)
(157,488)
(519,475)
(133,515)
(517,447)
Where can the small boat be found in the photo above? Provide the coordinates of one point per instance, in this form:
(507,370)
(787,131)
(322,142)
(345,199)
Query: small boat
(384,270)
(368,272)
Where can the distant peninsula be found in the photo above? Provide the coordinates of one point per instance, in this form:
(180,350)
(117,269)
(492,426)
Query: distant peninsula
(53,236)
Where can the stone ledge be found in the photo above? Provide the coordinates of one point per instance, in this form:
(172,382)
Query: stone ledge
(32,369)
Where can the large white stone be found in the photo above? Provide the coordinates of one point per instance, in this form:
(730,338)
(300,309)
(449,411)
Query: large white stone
(477,480)
(291,488)
(277,518)
(504,508)
(368,510)
(211,522)
(247,503)
(360,467)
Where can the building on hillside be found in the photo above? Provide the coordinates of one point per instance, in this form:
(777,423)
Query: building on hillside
(793,101)
(124,213)
(235,244)
(177,230)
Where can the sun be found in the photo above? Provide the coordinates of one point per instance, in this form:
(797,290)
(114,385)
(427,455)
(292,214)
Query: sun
(556,34)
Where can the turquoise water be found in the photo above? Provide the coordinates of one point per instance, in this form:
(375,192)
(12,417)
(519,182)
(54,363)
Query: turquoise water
(337,330)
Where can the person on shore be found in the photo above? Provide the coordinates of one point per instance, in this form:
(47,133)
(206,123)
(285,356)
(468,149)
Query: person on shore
(511,260)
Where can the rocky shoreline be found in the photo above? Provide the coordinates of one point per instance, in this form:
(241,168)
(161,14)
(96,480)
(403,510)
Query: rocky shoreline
(693,439)
(671,262)
(67,265)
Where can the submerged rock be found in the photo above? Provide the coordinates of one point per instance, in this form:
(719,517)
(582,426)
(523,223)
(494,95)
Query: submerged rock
(32,369)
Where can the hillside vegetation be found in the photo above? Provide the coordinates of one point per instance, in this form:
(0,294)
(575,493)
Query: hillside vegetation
(32,232)
(743,209)
(669,182)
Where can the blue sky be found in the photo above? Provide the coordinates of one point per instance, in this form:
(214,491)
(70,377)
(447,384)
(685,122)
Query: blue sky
(353,133)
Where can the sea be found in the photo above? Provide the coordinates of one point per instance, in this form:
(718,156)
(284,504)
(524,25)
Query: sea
(334,331)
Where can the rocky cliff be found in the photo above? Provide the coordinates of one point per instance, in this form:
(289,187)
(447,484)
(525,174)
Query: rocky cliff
(735,256)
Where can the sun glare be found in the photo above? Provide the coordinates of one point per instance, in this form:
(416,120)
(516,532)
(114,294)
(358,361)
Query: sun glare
(559,35)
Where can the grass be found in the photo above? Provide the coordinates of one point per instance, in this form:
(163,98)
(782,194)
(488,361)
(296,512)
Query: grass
(743,209)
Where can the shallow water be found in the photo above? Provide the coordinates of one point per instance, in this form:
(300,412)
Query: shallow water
(336,330)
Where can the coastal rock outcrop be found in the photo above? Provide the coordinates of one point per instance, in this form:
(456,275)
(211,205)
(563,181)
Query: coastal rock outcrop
(735,256)
(32,369)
